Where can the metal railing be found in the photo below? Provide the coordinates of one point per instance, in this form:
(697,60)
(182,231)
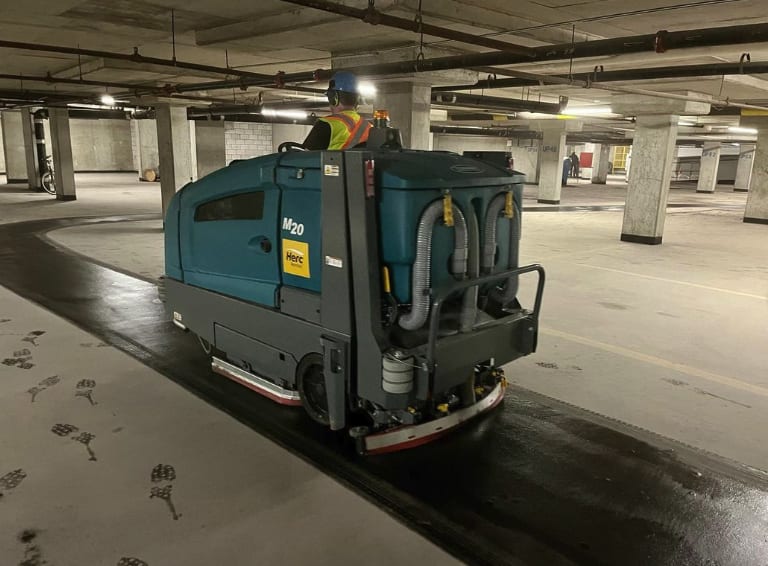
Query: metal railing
(438,300)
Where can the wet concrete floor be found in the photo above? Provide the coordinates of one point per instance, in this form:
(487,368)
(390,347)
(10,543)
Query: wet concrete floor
(535,482)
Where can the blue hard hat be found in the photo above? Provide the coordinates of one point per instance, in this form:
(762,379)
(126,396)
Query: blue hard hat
(344,81)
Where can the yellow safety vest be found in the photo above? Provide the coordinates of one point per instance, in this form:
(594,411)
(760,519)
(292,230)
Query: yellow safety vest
(348,129)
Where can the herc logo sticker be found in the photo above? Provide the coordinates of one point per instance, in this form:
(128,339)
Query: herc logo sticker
(296,258)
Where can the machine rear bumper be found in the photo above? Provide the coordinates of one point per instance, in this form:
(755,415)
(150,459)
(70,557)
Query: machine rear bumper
(452,358)
(404,437)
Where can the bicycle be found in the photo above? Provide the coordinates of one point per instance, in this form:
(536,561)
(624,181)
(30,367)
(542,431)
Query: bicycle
(48,180)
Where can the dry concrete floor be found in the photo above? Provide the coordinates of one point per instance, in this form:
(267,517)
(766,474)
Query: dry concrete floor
(669,338)
(98,453)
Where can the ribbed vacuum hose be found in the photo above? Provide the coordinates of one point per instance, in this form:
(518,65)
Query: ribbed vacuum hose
(420,278)
(489,244)
(513,282)
(468,315)
(491,228)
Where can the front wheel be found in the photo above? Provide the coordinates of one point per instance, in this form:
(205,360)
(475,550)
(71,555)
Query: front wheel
(311,384)
(49,186)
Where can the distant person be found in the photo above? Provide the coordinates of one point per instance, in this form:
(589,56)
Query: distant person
(574,165)
(566,169)
(344,128)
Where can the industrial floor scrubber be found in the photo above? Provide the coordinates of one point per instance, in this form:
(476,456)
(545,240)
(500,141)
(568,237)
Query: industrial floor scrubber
(377,288)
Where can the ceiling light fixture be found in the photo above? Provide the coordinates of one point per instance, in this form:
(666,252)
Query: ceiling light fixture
(366,89)
(736,130)
(107,100)
(587,111)
(293,114)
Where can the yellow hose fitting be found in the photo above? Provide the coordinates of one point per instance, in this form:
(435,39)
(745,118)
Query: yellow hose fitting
(448,210)
(443,408)
(386,280)
(509,206)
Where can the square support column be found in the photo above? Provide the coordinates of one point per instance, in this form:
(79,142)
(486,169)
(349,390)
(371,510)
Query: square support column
(210,146)
(757,201)
(147,157)
(744,168)
(174,145)
(14,146)
(600,164)
(35,145)
(710,162)
(551,157)
(409,104)
(653,151)
(64,170)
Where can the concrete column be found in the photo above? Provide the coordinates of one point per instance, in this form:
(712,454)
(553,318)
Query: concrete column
(62,153)
(551,156)
(174,145)
(2,149)
(600,162)
(710,161)
(744,168)
(210,146)
(653,152)
(757,201)
(408,103)
(147,155)
(13,146)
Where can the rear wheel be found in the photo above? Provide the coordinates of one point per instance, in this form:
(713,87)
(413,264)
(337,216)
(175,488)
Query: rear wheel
(48,183)
(311,383)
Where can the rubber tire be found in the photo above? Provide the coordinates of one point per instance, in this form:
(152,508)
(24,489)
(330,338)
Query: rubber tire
(47,183)
(311,385)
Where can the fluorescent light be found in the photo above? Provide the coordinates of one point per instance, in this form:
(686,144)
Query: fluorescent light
(107,100)
(294,114)
(587,111)
(686,123)
(735,130)
(366,89)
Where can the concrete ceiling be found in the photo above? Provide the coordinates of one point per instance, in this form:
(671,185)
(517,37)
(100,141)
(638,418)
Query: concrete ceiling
(270,36)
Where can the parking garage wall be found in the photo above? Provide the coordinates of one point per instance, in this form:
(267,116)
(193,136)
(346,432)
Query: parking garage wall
(2,152)
(101,145)
(524,152)
(244,140)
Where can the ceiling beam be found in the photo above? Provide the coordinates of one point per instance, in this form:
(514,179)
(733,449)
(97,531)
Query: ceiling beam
(373,16)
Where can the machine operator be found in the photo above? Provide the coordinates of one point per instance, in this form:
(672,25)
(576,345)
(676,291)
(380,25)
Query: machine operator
(344,128)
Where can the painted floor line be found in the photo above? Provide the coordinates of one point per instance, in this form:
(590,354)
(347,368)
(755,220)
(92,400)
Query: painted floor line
(661,362)
(697,285)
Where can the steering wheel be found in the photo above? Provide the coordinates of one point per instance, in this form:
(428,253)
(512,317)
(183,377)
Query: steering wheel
(290,146)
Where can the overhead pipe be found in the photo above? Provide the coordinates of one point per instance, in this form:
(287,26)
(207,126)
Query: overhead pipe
(659,42)
(205,114)
(497,103)
(374,17)
(495,132)
(134,57)
(621,75)
(266,81)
